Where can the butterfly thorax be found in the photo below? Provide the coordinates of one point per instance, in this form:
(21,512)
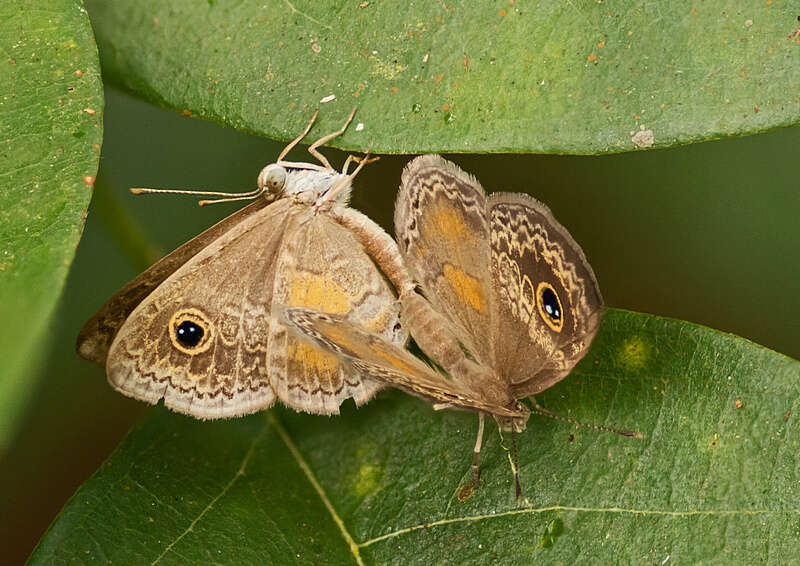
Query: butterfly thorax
(311,186)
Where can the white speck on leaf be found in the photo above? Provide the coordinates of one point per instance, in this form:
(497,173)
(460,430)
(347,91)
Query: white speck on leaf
(327,98)
(643,138)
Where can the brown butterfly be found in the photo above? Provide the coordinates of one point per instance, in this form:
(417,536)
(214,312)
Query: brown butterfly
(197,328)
(504,282)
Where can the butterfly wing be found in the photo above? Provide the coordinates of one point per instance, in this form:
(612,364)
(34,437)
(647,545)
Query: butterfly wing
(443,234)
(548,302)
(374,357)
(241,359)
(94,339)
(323,267)
(225,292)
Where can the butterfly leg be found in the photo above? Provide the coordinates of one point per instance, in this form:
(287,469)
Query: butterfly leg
(312,149)
(334,191)
(515,464)
(347,163)
(294,142)
(477,452)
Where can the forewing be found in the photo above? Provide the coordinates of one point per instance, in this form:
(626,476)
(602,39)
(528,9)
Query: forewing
(323,267)
(539,271)
(443,234)
(225,290)
(374,357)
(94,339)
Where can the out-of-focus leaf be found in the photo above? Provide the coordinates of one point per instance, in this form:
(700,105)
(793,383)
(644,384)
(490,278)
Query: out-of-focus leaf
(51,129)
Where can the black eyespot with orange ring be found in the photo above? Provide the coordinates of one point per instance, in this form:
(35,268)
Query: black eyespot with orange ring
(549,305)
(190,331)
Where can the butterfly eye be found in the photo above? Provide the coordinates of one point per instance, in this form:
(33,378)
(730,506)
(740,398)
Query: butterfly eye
(272,179)
(549,305)
(190,331)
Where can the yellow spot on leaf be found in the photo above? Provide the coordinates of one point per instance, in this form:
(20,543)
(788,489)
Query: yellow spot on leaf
(367,481)
(634,352)
(385,69)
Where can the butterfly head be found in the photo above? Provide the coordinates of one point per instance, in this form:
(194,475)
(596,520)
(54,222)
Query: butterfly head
(272,181)
(517,422)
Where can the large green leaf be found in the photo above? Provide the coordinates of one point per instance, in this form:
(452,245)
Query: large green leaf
(51,123)
(568,77)
(714,480)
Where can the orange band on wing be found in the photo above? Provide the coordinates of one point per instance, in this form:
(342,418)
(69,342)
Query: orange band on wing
(317,292)
(468,289)
(312,357)
(443,222)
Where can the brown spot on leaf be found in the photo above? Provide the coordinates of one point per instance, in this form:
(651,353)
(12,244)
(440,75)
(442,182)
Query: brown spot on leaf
(465,492)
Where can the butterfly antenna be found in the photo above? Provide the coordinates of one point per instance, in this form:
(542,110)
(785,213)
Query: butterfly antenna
(539,410)
(226,197)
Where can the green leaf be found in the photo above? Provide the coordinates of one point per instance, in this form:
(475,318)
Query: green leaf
(570,77)
(714,480)
(51,122)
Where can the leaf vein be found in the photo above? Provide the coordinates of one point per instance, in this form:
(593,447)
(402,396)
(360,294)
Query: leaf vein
(354,547)
(239,473)
(617,510)
(306,16)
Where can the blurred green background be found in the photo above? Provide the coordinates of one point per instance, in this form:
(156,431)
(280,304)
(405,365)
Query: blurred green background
(706,233)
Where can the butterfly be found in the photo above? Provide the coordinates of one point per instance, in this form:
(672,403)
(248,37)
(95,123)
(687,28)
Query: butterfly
(197,329)
(510,302)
